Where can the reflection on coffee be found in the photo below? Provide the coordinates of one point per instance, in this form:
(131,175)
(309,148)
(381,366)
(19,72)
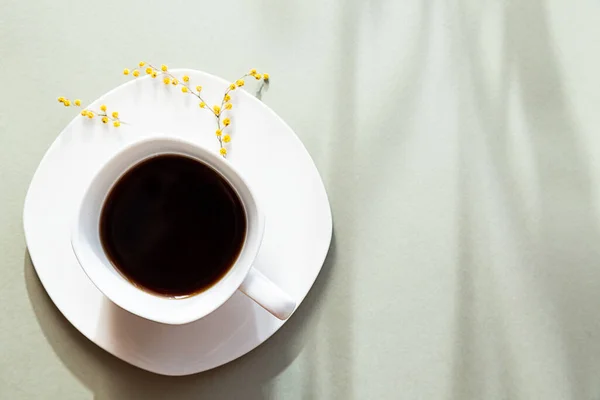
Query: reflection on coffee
(172,226)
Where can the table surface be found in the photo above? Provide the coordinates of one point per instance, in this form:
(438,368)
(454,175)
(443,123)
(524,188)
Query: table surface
(458,142)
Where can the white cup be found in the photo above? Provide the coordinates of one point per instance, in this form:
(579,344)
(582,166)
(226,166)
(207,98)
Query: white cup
(88,249)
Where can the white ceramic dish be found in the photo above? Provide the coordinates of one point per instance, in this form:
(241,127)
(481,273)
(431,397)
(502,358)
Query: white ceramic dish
(296,238)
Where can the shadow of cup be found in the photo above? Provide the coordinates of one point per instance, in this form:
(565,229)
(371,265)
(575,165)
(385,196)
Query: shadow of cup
(108,377)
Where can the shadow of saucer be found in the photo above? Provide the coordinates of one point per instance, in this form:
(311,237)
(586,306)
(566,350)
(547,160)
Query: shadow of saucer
(108,377)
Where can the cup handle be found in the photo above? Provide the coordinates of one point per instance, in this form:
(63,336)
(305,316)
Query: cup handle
(267,295)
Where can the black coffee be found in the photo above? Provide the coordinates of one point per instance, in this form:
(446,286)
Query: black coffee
(172,225)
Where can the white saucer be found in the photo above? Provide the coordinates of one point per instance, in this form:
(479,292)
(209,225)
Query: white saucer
(297,234)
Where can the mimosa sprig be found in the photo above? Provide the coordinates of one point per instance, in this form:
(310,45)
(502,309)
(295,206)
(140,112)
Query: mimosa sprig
(223,122)
(223,125)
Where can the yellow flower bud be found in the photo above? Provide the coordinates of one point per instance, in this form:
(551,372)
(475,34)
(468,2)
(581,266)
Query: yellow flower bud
(257,76)
(141,64)
(239,82)
(116,124)
(252,71)
(202,105)
(105,120)
(61,99)
(84,113)
(226,138)
(163,68)
(154,74)
(223,151)
(184,89)
(115,114)
(166,80)
(218,133)
(126,71)
(148,70)
(175,82)
(216,109)
(226,121)
(103,107)
(90,115)
(136,73)
(227,97)
(232,86)
(198,89)
(77,102)
(186,78)
(228,106)
(67,103)
(266,76)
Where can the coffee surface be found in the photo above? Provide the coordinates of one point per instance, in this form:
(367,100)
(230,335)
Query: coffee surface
(172,225)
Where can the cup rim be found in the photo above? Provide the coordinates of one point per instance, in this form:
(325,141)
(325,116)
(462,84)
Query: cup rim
(148,305)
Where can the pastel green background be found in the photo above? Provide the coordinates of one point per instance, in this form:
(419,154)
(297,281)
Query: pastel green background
(458,141)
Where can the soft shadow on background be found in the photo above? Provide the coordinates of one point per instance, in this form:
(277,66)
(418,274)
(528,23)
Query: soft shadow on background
(249,377)
(557,250)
